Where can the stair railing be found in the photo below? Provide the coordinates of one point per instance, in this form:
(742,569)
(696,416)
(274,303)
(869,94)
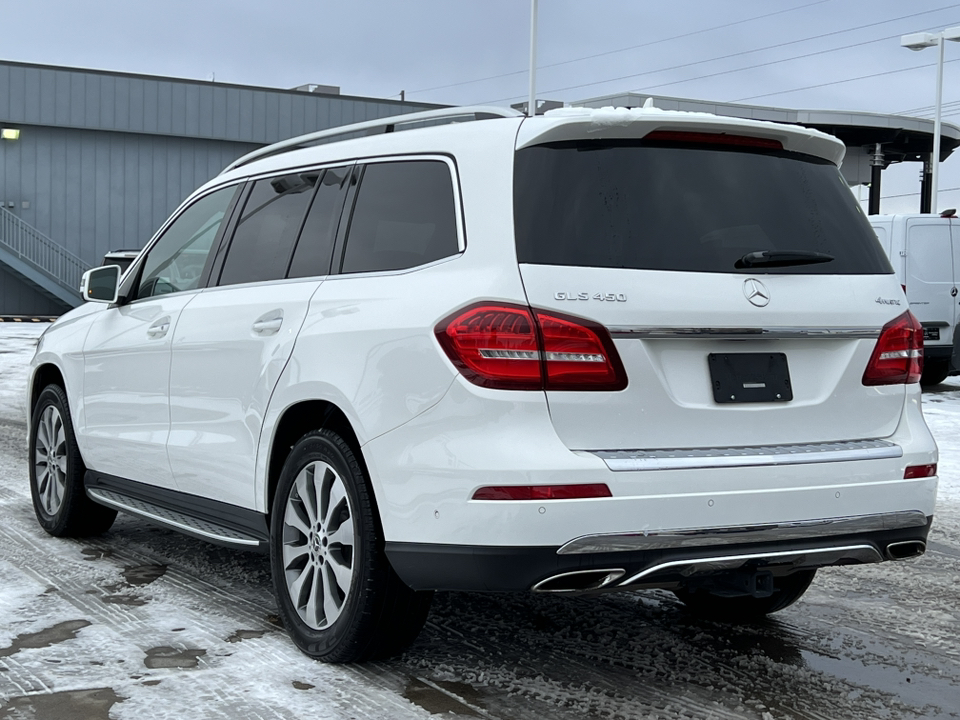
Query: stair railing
(41,252)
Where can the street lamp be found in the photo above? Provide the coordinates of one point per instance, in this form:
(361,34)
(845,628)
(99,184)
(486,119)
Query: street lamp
(919,41)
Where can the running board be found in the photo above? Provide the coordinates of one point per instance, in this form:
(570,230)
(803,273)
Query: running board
(197,527)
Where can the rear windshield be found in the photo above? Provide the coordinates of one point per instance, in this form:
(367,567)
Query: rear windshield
(690,208)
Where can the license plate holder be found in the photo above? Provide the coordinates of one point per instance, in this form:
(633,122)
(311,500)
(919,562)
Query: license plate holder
(750,377)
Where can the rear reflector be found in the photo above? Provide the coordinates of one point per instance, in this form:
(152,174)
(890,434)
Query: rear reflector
(898,357)
(542,492)
(515,348)
(699,138)
(919,471)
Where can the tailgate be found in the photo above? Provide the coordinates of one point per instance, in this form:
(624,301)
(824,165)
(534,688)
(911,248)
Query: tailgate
(825,329)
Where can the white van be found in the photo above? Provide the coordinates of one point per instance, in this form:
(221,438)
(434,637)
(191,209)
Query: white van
(925,253)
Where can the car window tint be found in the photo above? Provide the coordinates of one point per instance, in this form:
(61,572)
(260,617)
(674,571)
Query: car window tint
(315,246)
(267,229)
(653,206)
(404,216)
(176,262)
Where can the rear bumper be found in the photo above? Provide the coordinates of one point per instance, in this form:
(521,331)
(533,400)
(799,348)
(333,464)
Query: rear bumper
(665,562)
(426,472)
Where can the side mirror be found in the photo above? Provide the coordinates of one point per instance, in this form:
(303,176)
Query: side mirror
(101,284)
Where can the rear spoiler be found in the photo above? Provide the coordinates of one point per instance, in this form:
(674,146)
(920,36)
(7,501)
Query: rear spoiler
(635,123)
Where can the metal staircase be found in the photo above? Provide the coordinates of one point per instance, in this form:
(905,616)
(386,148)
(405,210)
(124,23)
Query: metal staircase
(41,262)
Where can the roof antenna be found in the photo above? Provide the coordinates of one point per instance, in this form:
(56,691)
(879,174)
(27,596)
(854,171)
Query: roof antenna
(532,102)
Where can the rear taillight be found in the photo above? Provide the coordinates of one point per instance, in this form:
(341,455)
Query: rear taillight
(898,356)
(515,348)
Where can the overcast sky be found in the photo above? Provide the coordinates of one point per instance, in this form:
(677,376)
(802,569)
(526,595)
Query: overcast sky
(787,53)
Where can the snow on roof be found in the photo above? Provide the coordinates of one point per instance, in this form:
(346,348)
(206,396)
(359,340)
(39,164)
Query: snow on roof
(572,123)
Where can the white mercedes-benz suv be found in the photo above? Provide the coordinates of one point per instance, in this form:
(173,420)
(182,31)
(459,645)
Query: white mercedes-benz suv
(591,351)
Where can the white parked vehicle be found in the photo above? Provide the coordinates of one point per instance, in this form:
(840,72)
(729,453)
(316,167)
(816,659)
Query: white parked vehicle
(591,351)
(925,253)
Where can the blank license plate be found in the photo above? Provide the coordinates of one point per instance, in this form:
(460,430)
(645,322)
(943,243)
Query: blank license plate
(750,377)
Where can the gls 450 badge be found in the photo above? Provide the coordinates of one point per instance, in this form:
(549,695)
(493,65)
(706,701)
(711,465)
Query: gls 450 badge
(604,297)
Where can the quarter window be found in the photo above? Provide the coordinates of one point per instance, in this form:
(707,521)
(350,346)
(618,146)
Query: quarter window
(177,260)
(264,237)
(404,216)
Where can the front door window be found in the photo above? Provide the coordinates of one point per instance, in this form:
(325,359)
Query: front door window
(176,262)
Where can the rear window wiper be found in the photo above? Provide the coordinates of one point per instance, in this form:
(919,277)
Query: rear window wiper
(781,258)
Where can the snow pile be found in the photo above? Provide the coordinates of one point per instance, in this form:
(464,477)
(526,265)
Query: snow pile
(941,410)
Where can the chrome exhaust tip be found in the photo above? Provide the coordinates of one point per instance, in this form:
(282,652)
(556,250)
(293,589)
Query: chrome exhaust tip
(578,581)
(906,549)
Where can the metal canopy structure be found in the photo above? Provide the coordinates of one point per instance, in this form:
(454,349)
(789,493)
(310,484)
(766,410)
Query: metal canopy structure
(874,141)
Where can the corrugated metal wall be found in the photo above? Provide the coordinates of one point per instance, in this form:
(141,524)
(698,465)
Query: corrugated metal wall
(104,158)
(96,191)
(16,296)
(95,100)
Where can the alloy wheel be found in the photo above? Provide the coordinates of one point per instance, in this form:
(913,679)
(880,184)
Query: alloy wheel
(318,545)
(50,460)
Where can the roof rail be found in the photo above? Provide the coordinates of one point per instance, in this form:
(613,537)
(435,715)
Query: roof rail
(372,127)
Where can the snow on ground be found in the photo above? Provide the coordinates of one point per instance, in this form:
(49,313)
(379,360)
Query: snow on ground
(17,344)
(941,409)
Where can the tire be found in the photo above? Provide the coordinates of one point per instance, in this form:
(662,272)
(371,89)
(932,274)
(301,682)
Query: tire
(786,591)
(56,472)
(338,596)
(935,371)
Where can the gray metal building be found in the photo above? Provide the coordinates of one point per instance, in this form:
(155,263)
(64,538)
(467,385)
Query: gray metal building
(92,161)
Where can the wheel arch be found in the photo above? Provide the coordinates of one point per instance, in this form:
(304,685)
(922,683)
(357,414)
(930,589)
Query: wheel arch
(295,422)
(46,373)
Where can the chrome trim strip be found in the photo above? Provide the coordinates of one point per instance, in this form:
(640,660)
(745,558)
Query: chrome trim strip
(829,555)
(767,532)
(110,499)
(700,458)
(644,332)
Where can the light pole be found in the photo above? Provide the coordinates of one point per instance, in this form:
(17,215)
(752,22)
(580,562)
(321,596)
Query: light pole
(532,101)
(919,41)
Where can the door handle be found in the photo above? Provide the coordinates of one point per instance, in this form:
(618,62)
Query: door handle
(159,328)
(268,323)
(264,326)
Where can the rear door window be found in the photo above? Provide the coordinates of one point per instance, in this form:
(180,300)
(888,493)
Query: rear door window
(268,228)
(404,216)
(662,206)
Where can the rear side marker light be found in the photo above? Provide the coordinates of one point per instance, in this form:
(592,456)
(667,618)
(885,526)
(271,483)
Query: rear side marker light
(919,471)
(514,347)
(542,492)
(897,358)
(701,138)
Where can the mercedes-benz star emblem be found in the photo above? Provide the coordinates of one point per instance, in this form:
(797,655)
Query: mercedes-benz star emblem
(756,292)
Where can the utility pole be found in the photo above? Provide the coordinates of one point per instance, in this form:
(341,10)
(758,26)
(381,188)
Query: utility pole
(532,102)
